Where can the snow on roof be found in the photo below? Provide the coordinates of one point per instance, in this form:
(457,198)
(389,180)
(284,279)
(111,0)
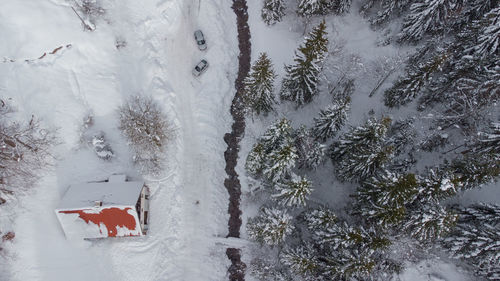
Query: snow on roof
(110,193)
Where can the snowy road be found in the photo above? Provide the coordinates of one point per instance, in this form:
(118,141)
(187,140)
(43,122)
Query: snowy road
(189,202)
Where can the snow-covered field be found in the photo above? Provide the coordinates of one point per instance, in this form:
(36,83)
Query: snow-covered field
(90,75)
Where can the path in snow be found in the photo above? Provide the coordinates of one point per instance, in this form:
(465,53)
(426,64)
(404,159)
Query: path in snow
(232,183)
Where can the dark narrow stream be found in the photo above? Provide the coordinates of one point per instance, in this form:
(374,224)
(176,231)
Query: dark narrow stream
(232,182)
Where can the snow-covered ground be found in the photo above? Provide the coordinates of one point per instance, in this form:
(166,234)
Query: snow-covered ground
(90,75)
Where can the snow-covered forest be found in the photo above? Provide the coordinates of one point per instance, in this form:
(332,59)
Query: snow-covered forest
(365,136)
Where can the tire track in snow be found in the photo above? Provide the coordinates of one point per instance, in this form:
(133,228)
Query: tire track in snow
(232,183)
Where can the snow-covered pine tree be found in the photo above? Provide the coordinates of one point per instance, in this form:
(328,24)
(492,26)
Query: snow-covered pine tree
(331,119)
(475,170)
(384,198)
(273,11)
(271,226)
(362,151)
(430,222)
(341,7)
(417,76)
(427,16)
(280,162)
(276,135)
(301,260)
(475,239)
(309,150)
(388,9)
(319,219)
(489,39)
(258,86)
(308,8)
(267,270)
(256,160)
(488,142)
(438,184)
(301,79)
(294,192)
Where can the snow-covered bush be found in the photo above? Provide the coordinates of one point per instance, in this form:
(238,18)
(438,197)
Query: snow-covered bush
(24,151)
(102,147)
(147,131)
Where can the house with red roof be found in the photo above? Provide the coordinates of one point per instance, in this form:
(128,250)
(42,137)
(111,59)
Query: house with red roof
(112,208)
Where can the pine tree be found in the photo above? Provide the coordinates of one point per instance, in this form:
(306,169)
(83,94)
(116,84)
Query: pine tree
(475,239)
(258,86)
(489,39)
(428,16)
(273,11)
(294,192)
(301,79)
(476,170)
(362,151)
(280,162)
(331,119)
(319,219)
(417,77)
(384,198)
(301,260)
(488,142)
(276,135)
(310,151)
(270,227)
(308,8)
(388,9)
(430,222)
(256,160)
(437,185)
(341,6)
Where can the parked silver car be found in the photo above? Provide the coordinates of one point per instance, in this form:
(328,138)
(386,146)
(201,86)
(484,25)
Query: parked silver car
(200,68)
(200,40)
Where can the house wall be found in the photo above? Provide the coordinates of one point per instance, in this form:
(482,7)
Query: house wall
(144,211)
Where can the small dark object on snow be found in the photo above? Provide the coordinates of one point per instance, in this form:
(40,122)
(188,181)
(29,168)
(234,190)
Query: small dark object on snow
(8,236)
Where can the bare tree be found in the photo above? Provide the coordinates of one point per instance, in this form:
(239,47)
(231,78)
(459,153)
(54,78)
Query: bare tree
(147,131)
(24,151)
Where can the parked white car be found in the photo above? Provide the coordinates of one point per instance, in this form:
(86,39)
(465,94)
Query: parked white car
(200,68)
(200,40)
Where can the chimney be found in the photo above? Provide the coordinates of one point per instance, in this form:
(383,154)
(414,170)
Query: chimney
(98,203)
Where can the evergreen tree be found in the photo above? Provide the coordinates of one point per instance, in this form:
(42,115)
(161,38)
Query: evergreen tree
(488,142)
(294,192)
(308,8)
(310,151)
(301,260)
(417,76)
(384,198)
(256,160)
(274,137)
(427,16)
(280,162)
(476,170)
(388,9)
(362,151)
(489,39)
(331,119)
(258,86)
(319,219)
(430,222)
(437,185)
(301,79)
(270,227)
(475,239)
(273,11)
